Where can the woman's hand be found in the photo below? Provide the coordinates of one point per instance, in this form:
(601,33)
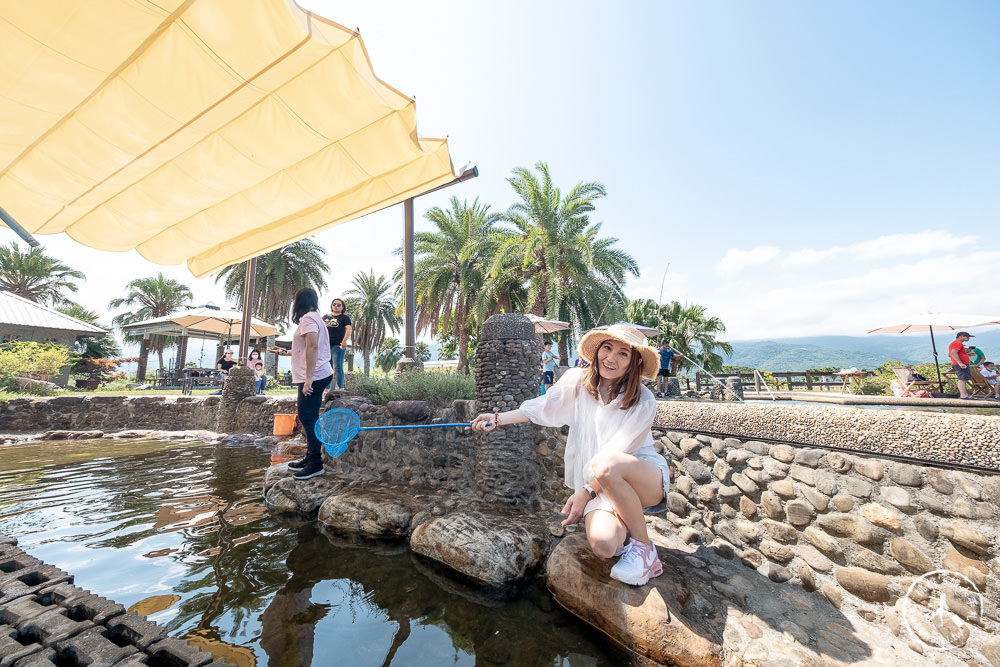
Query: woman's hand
(574,507)
(483,422)
(307,388)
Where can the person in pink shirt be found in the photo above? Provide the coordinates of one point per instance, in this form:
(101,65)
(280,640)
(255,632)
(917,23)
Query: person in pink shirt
(311,373)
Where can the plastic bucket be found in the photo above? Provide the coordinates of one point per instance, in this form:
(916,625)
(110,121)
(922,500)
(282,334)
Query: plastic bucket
(284,424)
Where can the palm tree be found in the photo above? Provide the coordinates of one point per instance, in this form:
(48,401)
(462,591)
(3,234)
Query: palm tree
(36,276)
(589,293)
(693,334)
(373,311)
(147,299)
(643,311)
(571,273)
(450,272)
(97,347)
(279,275)
(422,350)
(388,354)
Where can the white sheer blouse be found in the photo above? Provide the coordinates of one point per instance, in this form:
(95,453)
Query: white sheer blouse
(595,427)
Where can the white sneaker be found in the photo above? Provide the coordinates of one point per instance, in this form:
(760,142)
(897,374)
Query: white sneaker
(620,550)
(638,564)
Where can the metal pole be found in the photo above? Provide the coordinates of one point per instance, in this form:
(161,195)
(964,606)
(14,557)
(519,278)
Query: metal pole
(247,310)
(937,366)
(410,324)
(410,333)
(9,220)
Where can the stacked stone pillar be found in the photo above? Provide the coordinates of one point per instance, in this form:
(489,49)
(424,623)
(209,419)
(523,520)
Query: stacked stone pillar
(240,384)
(507,357)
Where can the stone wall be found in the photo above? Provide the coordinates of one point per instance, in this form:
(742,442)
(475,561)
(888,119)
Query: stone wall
(951,438)
(856,528)
(441,458)
(108,413)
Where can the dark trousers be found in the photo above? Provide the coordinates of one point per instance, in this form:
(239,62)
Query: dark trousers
(308,408)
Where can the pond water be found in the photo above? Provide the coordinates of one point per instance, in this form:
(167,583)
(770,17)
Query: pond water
(178,531)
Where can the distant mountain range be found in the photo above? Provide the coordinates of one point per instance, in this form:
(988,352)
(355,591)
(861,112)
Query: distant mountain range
(795,354)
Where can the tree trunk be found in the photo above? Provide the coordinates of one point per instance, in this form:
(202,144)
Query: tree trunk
(463,347)
(564,350)
(140,371)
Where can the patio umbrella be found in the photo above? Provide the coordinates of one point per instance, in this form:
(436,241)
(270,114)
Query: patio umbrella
(544,326)
(941,321)
(221,321)
(643,329)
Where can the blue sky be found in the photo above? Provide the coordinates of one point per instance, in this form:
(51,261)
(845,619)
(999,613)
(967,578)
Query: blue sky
(804,168)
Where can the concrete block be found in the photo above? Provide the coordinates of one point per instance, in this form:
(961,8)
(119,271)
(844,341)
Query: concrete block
(44,658)
(171,651)
(92,647)
(80,604)
(29,579)
(21,611)
(12,650)
(133,629)
(52,626)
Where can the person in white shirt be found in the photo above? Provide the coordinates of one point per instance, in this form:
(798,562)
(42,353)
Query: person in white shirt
(610,461)
(311,372)
(989,372)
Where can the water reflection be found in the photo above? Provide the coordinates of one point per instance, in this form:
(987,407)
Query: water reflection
(178,531)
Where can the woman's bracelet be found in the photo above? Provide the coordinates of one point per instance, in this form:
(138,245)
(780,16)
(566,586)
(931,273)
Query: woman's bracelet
(496,418)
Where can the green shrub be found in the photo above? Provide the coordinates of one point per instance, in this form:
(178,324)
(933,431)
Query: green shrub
(37,361)
(437,388)
(876,386)
(118,384)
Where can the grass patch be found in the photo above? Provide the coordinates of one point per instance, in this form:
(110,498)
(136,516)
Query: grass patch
(437,388)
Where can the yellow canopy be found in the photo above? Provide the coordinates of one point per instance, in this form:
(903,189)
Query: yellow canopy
(206,131)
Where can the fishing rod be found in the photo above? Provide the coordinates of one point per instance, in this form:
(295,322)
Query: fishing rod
(659,306)
(757,373)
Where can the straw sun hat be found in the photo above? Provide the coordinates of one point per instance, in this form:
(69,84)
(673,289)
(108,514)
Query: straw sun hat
(623,334)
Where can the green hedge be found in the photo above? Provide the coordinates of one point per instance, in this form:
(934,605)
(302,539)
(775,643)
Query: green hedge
(437,388)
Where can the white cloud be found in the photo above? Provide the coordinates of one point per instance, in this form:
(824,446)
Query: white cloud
(662,288)
(817,304)
(883,247)
(735,260)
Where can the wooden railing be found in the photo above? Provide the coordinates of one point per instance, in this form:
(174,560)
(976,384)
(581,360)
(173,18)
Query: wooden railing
(792,380)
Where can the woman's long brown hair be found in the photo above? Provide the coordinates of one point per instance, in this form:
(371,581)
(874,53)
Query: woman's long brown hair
(632,380)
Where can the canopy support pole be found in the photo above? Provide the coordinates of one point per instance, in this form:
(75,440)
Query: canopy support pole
(9,220)
(410,325)
(247,310)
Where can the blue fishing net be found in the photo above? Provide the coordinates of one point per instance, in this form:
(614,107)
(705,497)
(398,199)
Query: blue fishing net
(336,428)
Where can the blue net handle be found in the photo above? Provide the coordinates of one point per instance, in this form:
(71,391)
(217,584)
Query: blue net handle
(337,427)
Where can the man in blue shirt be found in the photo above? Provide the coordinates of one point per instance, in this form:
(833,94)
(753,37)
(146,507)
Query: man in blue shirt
(549,359)
(666,355)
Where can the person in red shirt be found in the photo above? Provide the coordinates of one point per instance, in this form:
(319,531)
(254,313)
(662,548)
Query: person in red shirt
(959,357)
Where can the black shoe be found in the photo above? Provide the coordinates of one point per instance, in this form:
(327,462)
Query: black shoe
(298,464)
(310,471)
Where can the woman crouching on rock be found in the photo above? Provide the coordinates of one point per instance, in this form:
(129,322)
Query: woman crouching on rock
(610,461)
